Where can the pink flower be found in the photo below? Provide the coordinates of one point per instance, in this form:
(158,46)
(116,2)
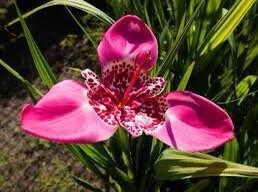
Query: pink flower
(74,112)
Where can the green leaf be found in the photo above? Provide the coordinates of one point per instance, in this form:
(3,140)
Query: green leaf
(86,160)
(174,164)
(230,153)
(119,6)
(86,184)
(243,88)
(33,91)
(78,4)
(98,153)
(226,25)
(248,137)
(212,6)
(146,14)
(121,154)
(178,42)
(82,28)
(231,150)
(183,83)
(138,7)
(251,55)
(159,13)
(40,62)
(178,10)
(94,156)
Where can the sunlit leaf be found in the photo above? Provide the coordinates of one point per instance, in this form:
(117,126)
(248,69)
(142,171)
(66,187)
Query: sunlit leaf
(226,25)
(78,4)
(243,88)
(251,55)
(174,164)
(230,153)
(86,160)
(183,83)
(98,153)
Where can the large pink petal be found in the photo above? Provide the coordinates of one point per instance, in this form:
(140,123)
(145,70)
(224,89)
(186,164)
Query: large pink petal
(193,123)
(125,39)
(65,115)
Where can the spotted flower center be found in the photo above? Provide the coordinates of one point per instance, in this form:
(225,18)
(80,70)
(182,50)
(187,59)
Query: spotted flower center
(142,109)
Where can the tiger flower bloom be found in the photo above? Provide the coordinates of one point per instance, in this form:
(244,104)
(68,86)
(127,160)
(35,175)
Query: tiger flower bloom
(90,112)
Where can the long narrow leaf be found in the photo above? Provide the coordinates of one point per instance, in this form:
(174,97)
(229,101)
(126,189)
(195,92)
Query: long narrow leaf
(159,13)
(251,55)
(89,156)
(86,184)
(174,164)
(32,90)
(82,28)
(183,83)
(78,4)
(86,160)
(226,25)
(244,86)
(98,153)
(178,42)
(40,62)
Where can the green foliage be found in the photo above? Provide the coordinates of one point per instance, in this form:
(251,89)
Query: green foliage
(186,77)
(82,28)
(174,164)
(78,4)
(226,25)
(243,87)
(86,184)
(44,70)
(33,91)
(182,31)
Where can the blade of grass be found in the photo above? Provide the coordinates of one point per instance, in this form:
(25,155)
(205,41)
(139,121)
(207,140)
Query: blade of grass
(89,156)
(137,5)
(230,153)
(179,7)
(99,154)
(159,13)
(40,62)
(146,2)
(244,86)
(251,56)
(78,4)
(226,25)
(86,184)
(33,91)
(175,164)
(178,42)
(82,28)
(86,160)
(183,83)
